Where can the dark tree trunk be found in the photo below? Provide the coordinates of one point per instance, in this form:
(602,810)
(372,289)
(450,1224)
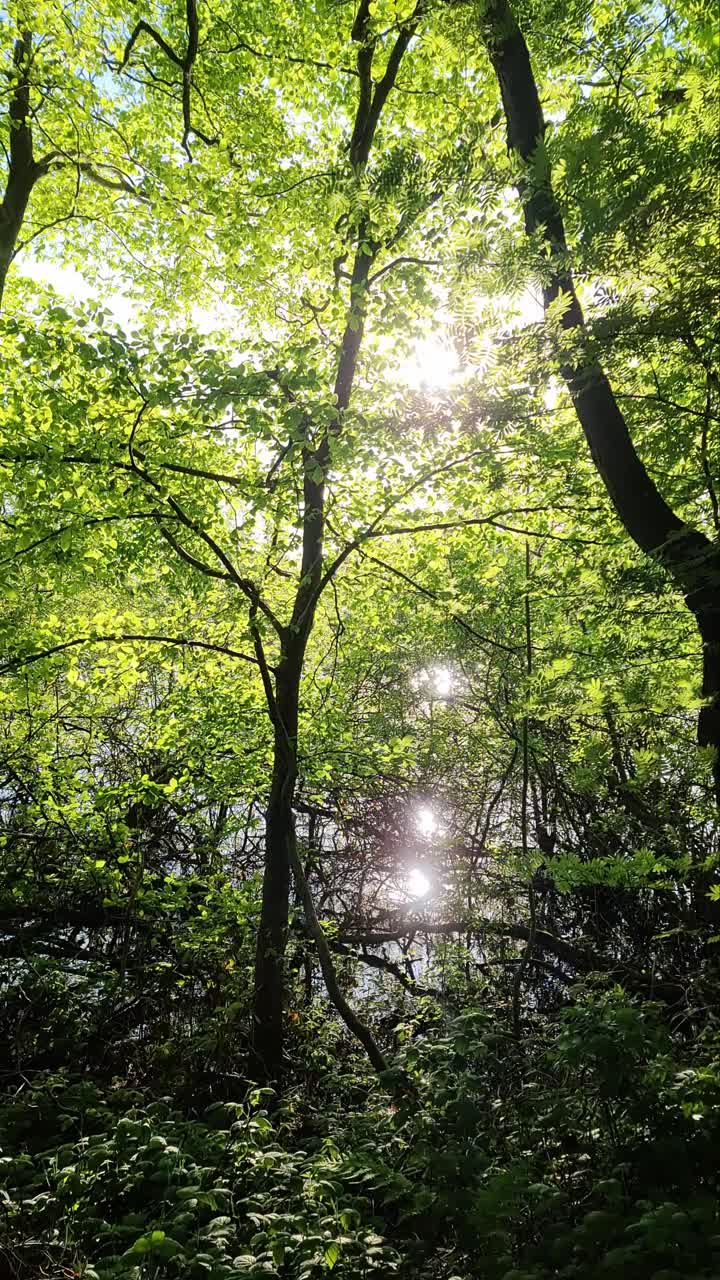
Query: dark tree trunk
(688,555)
(284,698)
(284,702)
(23,172)
(269,989)
(708,617)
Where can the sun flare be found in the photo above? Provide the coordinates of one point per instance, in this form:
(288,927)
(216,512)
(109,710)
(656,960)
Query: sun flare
(418,885)
(425,821)
(432,366)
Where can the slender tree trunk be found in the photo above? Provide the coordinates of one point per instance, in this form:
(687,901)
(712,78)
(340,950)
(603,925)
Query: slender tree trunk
(266,1060)
(23,172)
(269,989)
(281,857)
(688,555)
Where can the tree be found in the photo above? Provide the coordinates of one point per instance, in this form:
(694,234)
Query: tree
(69,163)
(691,557)
(244,505)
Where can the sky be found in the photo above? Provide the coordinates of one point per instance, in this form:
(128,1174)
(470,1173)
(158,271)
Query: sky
(433,364)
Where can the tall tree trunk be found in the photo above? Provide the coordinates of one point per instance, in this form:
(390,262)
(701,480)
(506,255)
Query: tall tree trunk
(688,555)
(266,1063)
(283,698)
(269,988)
(23,172)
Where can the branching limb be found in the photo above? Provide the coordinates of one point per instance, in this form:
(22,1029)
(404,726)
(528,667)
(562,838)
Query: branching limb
(269,55)
(187,557)
(372,528)
(8,456)
(143,27)
(90,523)
(124,637)
(246,585)
(373,98)
(579,958)
(119,183)
(436,599)
(186,65)
(347,1013)
(385,965)
(401,262)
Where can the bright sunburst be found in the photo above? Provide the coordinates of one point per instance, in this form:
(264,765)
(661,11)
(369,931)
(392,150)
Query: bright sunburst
(418,885)
(433,365)
(425,821)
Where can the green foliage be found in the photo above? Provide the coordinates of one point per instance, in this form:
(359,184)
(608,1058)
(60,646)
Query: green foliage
(585,1150)
(134,1185)
(243,465)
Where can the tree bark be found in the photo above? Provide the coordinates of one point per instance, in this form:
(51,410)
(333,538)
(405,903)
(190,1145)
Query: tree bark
(688,555)
(268,996)
(23,172)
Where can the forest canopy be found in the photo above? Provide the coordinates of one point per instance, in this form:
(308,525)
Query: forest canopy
(360,657)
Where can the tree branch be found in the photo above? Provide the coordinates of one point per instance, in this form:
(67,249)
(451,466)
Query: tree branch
(185,63)
(348,1015)
(403,261)
(436,599)
(128,637)
(246,585)
(190,559)
(578,957)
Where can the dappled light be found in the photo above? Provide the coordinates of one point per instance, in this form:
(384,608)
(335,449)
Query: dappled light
(435,682)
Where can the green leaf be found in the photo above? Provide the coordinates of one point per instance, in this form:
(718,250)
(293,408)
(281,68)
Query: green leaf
(331,1255)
